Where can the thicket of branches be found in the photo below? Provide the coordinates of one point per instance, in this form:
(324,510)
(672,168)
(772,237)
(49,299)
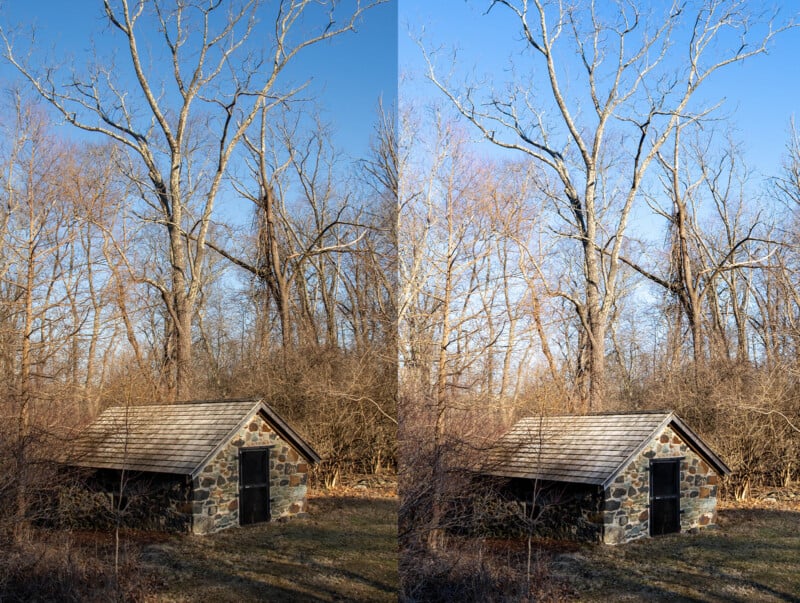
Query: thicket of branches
(705,324)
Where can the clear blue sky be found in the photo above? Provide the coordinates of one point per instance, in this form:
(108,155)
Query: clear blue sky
(349,74)
(760,95)
(352,72)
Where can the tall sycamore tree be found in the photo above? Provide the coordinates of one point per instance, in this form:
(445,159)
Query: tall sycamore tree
(597,90)
(192,78)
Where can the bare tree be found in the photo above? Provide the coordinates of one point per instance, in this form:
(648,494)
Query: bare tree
(369,305)
(776,293)
(303,224)
(183,123)
(37,241)
(92,192)
(704,259)
(599,130)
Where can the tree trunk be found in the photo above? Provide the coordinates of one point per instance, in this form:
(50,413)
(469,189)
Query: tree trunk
(596,311)
(597,368)
(24,396)
(440,400)
(183,349)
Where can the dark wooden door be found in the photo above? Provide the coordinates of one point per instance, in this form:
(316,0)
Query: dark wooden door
(253,485)
(665,496)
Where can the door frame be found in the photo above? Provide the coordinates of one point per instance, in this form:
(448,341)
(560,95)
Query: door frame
(676,496)
(243,487)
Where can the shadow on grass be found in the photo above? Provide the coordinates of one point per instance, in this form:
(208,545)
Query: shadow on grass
(754,556)
(346,550)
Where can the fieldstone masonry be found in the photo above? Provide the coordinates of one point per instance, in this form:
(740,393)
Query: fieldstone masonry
(627,500)
(215,490)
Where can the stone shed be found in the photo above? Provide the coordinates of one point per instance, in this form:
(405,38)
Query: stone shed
(199,467)
(610,477)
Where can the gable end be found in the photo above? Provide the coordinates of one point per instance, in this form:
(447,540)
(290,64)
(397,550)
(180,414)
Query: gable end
(695,443)
(690,438)
(275,422)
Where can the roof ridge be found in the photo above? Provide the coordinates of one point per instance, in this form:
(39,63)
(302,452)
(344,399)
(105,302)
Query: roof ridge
(252,400)
(665,411)
(599,414)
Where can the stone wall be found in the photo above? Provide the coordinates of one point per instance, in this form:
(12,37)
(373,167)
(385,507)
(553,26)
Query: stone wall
(626,512)
(215,503)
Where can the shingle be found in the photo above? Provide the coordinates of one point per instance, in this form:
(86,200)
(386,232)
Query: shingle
(583,449)
(588,449)
(170,438)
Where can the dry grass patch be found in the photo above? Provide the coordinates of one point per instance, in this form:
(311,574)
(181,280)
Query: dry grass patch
(346,550)
(68,567)
(490,570)
(754,555)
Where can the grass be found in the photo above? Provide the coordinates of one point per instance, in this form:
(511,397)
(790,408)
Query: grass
(754,555)
(346,550)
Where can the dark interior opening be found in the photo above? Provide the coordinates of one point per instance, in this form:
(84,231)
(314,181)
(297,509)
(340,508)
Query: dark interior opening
(253,485)
(665,496)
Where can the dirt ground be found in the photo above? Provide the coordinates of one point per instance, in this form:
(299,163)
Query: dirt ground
(754,555)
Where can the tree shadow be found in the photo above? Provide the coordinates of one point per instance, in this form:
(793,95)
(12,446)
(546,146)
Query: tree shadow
(738,562)
(346,550)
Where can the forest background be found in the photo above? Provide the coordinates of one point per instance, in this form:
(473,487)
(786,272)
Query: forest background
(599,212)
(592,208)
(197,203)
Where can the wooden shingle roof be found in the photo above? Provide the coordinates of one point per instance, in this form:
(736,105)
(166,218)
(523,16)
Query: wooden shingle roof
(586,449)
(172,438)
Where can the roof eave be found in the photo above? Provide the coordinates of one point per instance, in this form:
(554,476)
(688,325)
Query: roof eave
(112,466)
(289,434)
(564,480)
(694,442)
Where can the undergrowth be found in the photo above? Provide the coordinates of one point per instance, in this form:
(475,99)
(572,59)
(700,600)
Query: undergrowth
(61,567)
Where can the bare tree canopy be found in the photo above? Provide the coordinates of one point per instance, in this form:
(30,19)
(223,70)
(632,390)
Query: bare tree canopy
(597,124)
(136,173)
(181,111)
(583,228)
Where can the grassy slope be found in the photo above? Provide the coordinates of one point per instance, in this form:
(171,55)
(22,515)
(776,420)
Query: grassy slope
(753,556)
(345,550)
